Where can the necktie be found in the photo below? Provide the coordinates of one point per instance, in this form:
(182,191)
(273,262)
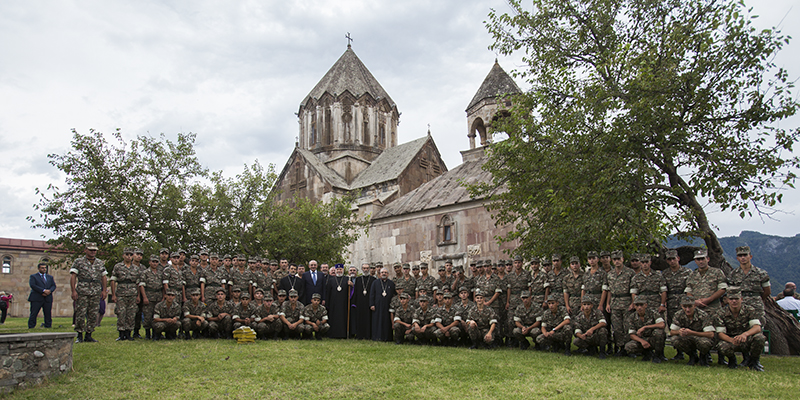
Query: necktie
(43,278)
(314,276)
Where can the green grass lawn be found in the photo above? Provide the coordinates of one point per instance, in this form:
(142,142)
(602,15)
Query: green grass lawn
(337,369)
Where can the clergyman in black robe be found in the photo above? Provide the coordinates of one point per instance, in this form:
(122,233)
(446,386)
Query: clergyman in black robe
(336,301)
(380,296)
(362,323)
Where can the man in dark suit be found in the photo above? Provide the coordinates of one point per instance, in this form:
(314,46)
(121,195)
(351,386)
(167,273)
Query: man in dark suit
(313,281)
(42,287)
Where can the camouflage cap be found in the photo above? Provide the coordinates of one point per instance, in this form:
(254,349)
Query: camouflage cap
(605,253)
(644,257)
(127,250)
(547,262)
(228,256)
(138,250)
(616,254)
(671,253)
(423,298)
(273,262)
(458,268)
(154,257)
(404,296)
(479,263)
(687,301)
(415,267)
(501,262)
(316,296)
(509,262)
(524,294)
(213,255)
(195,257)
(555,257)
(422,289)
(292,292)
(163,250)
(477,293)
(379,264)
(259,290)
(592,254)
(473,262)
(423,265)
(441,268)
(743,250)
(182,251)
(734,292)
(463,289)
(518,258)
(282,292)
(700,253)
(574,259)
(91,246)
(195,292)
(448,295)
(552,297)
(204,251)
(588,299)
(175,254)
(170,293)
(639,300)
(236,289)
(245,295)
(635,257)
(535,260)
(407,266)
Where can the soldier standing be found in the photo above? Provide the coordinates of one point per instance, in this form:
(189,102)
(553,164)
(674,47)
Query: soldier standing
(151,290)
(675,277)
(425,281)
(572,284)
(213,278)
(172,276)
(88,278)
(692,331)
(752,281)
(191,277)
(138,254)
(124,282)
(617,289)
(540,283)
(557,276)
(706,285)
(593,281)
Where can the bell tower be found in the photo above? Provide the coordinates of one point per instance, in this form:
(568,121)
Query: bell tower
(488,104)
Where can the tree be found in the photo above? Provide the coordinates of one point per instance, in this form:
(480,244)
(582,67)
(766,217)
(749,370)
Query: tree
(119,194)
(639,112)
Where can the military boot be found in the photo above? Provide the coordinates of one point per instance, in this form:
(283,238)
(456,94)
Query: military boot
(121,336)
(523,344)
(732,362)
(602,355)
(647,355)
(88,338)
(79,339)
(755,364)
(136,335)
(693,359)
(679,356)
(147,333)
(129,336)
(703,360)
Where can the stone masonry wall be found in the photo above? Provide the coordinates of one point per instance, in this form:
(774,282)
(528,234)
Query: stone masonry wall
(26,359)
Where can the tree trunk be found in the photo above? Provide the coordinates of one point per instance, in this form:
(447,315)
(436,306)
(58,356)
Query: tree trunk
(784,330)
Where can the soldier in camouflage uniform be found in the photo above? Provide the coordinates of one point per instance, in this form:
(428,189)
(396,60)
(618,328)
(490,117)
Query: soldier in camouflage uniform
(645,328)
(706,285)
(402,318)
(406,281)
(692,330)
(739,329)
(459,279)
(556,279)
(315,318)
(167,317)
(88,283)
(620,300)
(172,277)
(444,281)
(518,280)
(752,281)
(571,285)
(593,281)
(556,327)
(267,321)
(290,316)
(124,281)
(151,290)
(213,278)
(469,282)
(244,312)
(239,277)
(191,277)
(526,317)
(481,322)
(424,321)
(540,284)
(590,327)
(262,279)
(194,321)
(675,277)
(425,281)
(138,254)
(650,286)
(218,315)
(447,327)
(462,308)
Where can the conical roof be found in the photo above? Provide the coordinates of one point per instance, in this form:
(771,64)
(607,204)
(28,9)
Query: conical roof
(497,83)
(349,73)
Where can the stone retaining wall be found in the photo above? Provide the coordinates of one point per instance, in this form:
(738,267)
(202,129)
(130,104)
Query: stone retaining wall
(26,359)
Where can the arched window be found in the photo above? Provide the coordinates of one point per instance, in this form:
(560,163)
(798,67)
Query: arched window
(447,231)
(7,261)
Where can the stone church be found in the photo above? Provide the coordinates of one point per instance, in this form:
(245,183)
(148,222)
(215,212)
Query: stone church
(419,209)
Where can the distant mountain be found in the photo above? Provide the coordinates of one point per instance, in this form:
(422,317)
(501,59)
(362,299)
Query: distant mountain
(779,256)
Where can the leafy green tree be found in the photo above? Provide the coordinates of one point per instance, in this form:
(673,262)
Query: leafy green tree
(639,112)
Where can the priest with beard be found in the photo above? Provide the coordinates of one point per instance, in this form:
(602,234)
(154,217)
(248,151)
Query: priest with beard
(361,322)
(337,301)
(380,296)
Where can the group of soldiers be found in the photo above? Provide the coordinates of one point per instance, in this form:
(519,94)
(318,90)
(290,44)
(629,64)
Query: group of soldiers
(603,308)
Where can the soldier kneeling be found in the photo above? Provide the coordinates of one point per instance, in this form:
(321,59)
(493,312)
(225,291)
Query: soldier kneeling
(646,331)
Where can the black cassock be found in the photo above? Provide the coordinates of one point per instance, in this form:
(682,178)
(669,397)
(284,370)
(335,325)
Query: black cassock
(379,297)
(336,301)
(361,323)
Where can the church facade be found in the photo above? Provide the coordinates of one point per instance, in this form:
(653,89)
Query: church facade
(419,210)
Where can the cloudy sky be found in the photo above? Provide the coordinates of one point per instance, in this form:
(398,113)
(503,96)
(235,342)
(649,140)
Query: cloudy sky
(235,73)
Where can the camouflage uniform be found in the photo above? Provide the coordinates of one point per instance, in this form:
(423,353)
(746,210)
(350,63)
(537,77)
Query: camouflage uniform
(726,323)
(242,312)
(127,279)
(406,315)
(154,291)
(618,285)
(164,310)
(240,280)
(571,285)
(484,320)
(752,285)
(700,286)
(424,317)
(517,283)
(213,281)
(263,281)
(649,288)
(700,322)
(173,278)
(593,282)
(653,336)
(223,327)
(427,283)
(676,286)
(264,327)
(550,320)
(89,288)
(446,283)
(526,317)
(583,323)
(292,315)
(310,314)
(539,283)
(191,280)
(409,284)
(461,313)
(189,324)
(557,284)
(446,317)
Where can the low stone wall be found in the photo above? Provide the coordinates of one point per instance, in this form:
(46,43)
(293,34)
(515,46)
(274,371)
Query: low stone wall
(26,359)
